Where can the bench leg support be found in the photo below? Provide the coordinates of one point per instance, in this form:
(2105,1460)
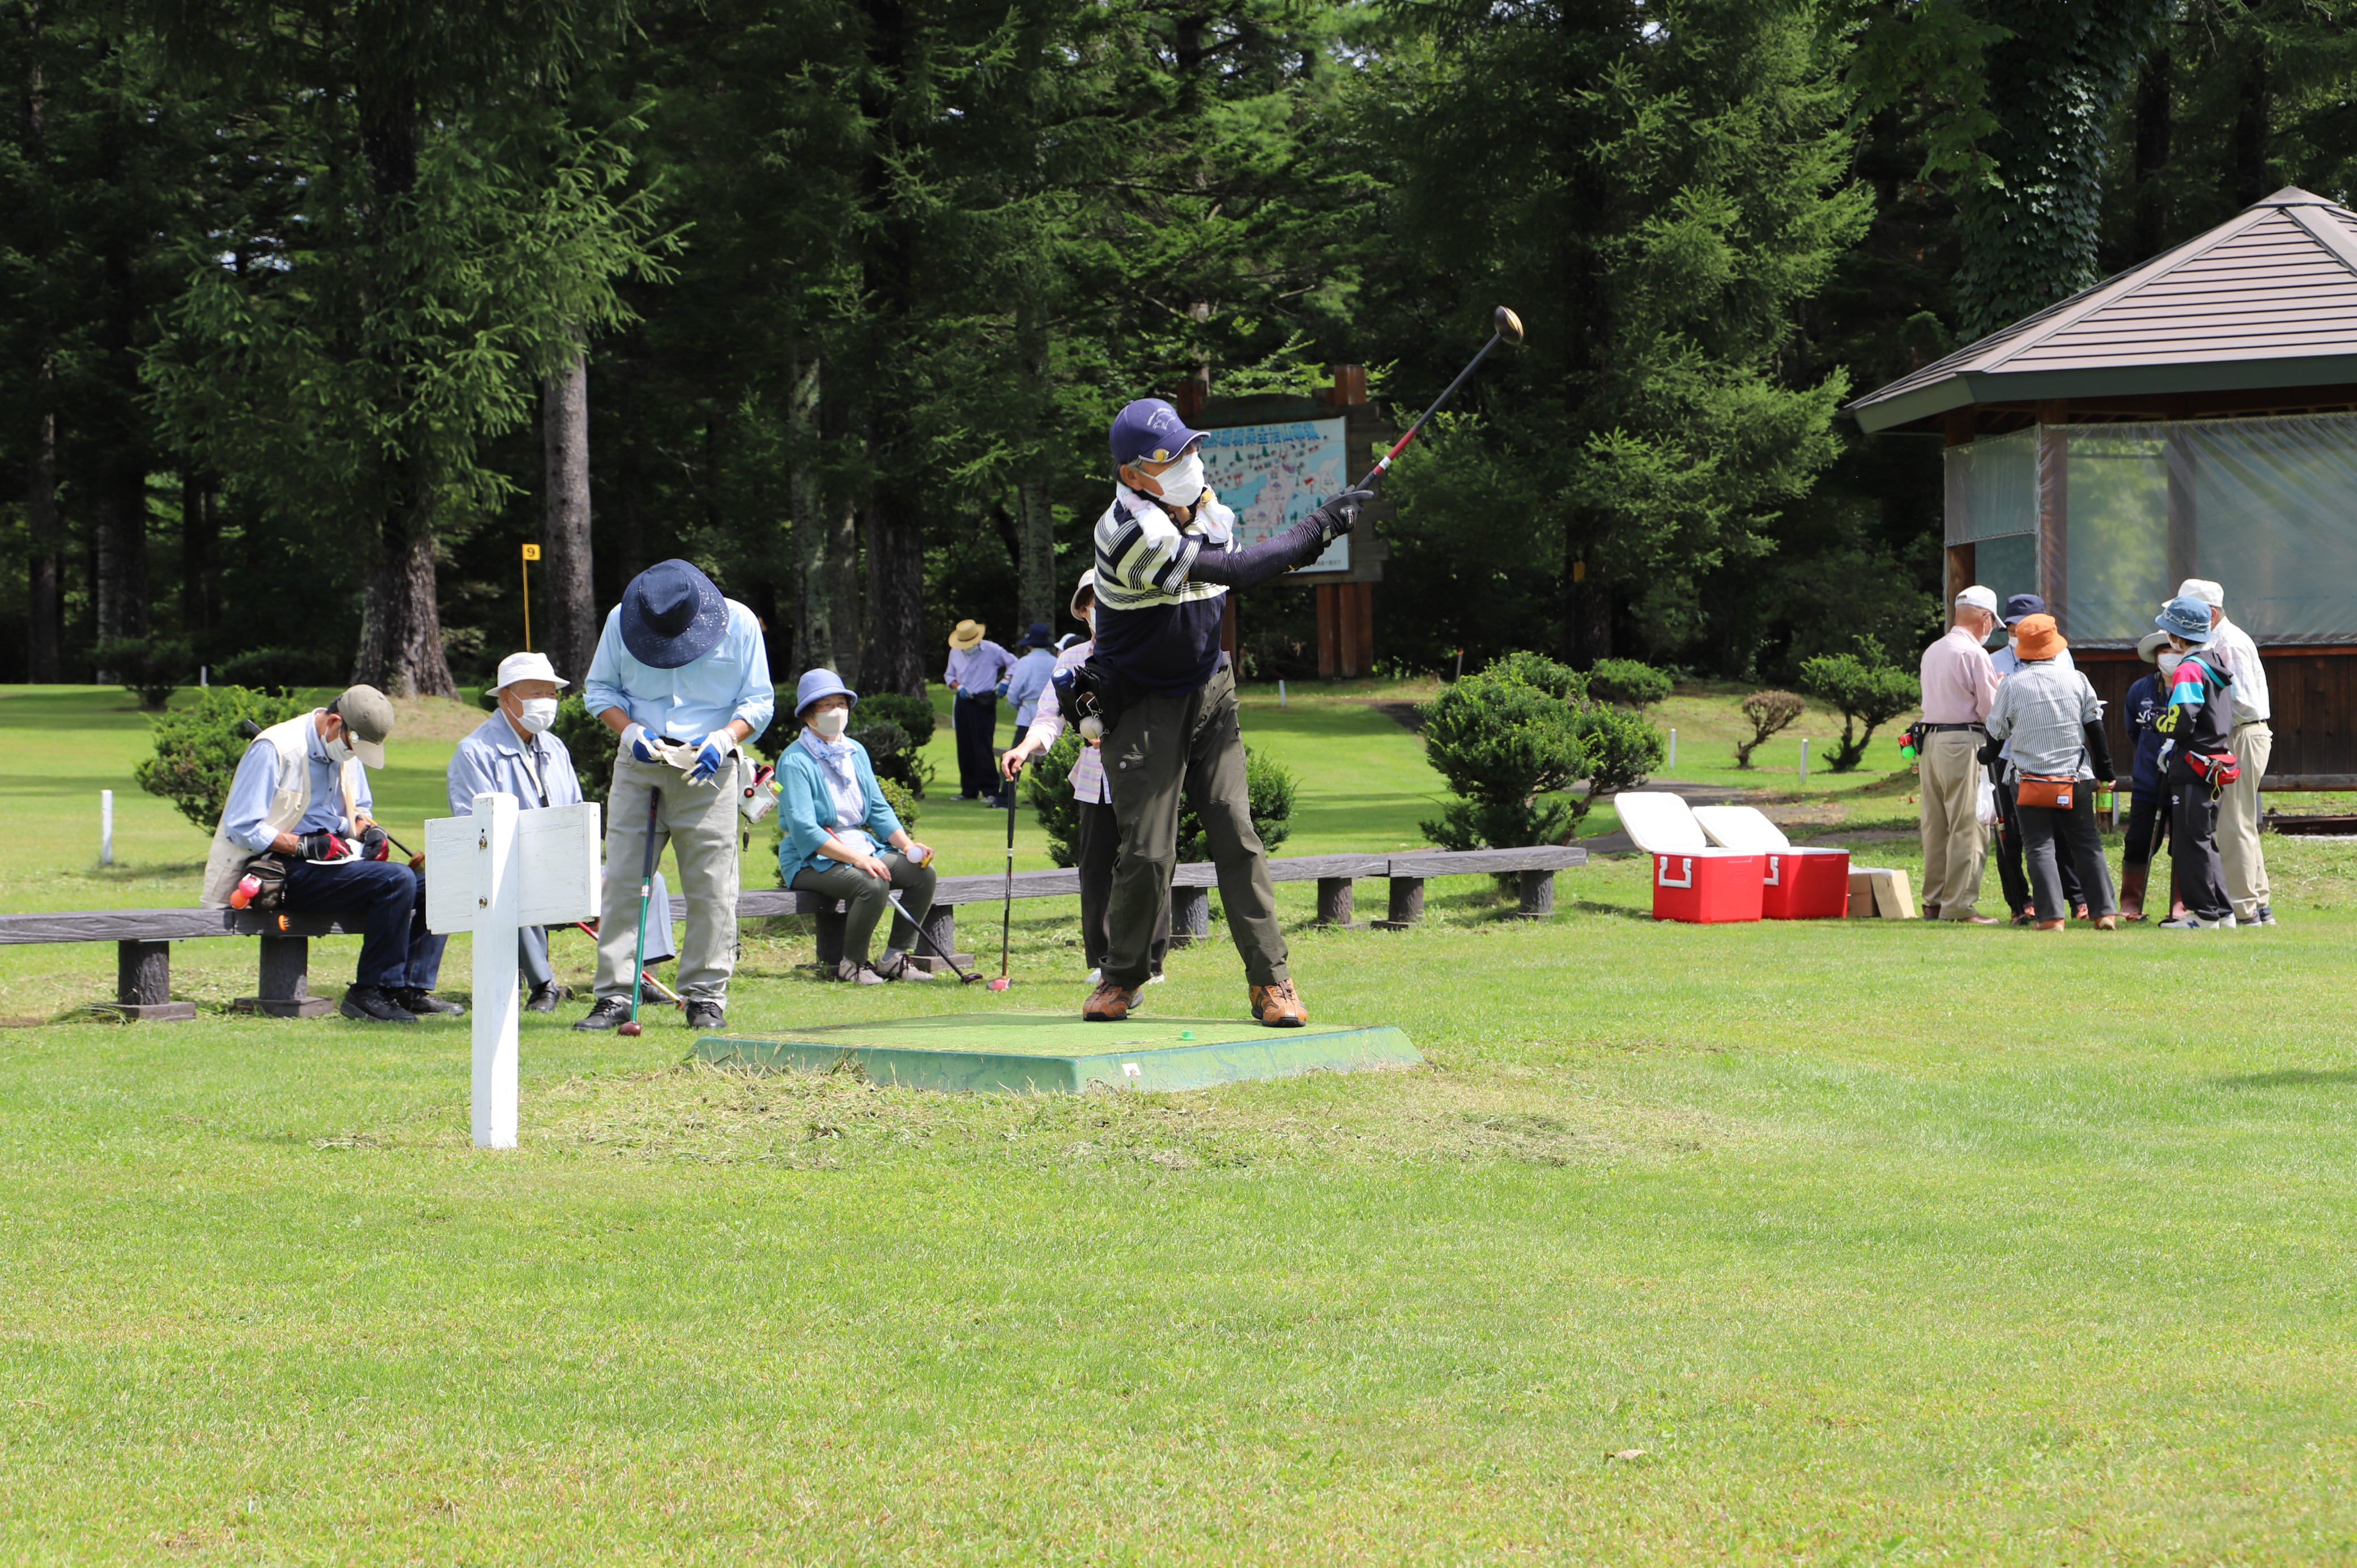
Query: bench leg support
(286,987)
(1191,916)
(1406,904)
(831,922)
(1334,902)
(142,984)
(941,937)
(1538,896)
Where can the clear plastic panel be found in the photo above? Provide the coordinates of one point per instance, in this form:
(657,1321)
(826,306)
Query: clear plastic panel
(2117,569)
(1992,488)
(2006,566)
(2275,522)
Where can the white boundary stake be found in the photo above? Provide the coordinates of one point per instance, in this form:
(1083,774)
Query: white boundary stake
(493,873)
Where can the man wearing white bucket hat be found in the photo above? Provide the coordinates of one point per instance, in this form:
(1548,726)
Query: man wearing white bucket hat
(515,753)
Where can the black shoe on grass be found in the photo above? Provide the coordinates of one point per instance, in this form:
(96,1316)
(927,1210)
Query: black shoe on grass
(707,1016)
(609,1012)
(544,998)
(372,1004)
(426,1003)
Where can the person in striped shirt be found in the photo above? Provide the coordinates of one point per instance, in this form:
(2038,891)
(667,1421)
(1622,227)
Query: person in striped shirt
(1165,557)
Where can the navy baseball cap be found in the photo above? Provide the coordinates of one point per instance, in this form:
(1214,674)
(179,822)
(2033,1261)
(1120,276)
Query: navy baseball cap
(2022,605)
(1150,431)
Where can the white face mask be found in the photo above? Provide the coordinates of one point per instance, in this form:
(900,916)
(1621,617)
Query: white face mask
(539,713)
(830,723)
(2169,660)
(2014,643)
(339,752)
(1182,482)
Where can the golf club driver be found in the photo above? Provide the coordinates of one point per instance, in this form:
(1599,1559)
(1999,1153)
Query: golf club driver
(646,892)
(1509,330)
(1007,909)
(926,937)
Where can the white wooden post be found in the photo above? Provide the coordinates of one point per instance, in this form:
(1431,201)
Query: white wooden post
(106,827)
(1674,750)
(498,881)
(492,874)
(1804,762)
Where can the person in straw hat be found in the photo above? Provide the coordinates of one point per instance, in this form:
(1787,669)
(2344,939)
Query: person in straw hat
(976,667)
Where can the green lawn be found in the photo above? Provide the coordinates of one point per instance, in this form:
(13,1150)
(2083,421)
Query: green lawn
(1876,1242)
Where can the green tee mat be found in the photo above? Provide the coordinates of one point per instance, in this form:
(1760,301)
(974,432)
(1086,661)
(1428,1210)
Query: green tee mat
(1058,1053)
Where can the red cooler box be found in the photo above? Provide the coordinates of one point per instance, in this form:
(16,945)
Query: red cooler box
(1710,887)
(1805,885)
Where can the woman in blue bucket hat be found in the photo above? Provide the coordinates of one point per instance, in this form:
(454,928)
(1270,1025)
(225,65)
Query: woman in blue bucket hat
(2196,726)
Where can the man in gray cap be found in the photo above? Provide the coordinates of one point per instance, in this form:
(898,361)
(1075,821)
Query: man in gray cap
(301,801)
(2252,741)
(681,676)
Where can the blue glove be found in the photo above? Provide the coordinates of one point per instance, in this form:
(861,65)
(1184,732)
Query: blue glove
(1002,691)
(711,754)
(638,742)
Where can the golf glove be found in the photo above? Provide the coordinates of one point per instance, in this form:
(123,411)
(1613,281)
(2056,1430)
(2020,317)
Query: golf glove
(375,844)
(638,742)
(1339,516)
(711,754)
(323,845)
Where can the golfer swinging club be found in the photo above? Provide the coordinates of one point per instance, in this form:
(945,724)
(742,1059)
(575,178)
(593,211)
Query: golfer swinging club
(1166,554)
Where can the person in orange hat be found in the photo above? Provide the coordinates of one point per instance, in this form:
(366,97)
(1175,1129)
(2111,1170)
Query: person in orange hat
(2054,724)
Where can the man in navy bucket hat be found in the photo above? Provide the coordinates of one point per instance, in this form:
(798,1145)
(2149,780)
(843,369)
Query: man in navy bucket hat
(1165,557)
(681,678)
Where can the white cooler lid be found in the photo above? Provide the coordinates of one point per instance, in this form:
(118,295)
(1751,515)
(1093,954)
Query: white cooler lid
(1741,827)
(1659,821)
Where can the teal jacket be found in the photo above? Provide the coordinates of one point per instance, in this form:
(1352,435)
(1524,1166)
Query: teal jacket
(806,807)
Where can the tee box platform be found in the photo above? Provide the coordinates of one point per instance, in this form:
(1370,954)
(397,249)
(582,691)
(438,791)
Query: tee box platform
(1059,1053)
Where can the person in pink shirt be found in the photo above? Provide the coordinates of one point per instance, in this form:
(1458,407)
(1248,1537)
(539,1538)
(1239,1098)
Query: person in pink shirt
(1959,682)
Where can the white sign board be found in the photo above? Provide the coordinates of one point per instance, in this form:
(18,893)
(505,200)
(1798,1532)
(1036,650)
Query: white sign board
(493,873)
(1276,475)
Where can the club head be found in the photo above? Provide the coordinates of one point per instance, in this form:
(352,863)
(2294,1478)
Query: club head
(1509,325)
(634,1028)
(999,982)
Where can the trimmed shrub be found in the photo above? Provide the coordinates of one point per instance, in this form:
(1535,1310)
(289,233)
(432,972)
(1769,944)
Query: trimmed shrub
(1270,790)
(1558,680)
(1046,784)
(281,672)
(1502,740)
(915,716)
(1867,688)
(1626,682)
(591,744)
(149,670)
(1766,713)
(1622,749)
(198,748)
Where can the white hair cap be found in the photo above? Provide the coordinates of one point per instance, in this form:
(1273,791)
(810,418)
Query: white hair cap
(2201,588)
(1977,598)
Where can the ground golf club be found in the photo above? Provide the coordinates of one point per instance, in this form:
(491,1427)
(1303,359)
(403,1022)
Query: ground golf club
(1509,330)
(926,938)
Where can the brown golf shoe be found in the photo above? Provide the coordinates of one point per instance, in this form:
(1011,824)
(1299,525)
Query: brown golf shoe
(1108,1004)
(1279,1006)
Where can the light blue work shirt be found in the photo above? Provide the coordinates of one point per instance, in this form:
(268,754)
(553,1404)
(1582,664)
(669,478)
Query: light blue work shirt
(1027,680)
(494,760)
(732,682)
(257,782)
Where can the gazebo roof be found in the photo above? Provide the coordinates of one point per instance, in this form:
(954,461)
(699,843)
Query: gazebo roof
(2266,299)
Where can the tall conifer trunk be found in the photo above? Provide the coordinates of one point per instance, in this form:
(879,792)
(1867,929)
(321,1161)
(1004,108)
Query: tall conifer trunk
(568,601)
(401,622)
(45,584)
(896,519)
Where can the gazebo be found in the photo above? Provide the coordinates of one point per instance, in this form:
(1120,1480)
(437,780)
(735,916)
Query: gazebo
(2195,416)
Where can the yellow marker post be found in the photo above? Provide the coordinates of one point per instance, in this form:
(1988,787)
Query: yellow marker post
(531,555)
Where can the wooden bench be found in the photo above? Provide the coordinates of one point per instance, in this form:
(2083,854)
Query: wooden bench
(143,938)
